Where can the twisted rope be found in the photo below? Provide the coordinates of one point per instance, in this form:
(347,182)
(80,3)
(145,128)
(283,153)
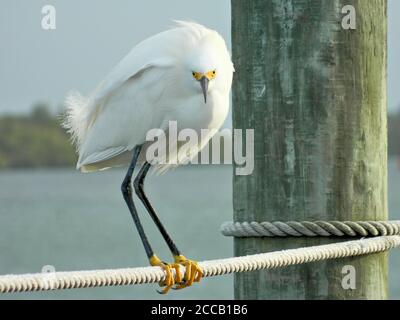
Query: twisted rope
(311,229)
(129,276)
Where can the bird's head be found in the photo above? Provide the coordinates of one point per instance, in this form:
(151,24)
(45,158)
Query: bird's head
(204,79)
(209,66)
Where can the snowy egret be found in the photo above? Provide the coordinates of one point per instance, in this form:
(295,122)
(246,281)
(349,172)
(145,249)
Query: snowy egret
(184,75)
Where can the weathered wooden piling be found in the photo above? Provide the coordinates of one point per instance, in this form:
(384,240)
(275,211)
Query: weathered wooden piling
(315,95)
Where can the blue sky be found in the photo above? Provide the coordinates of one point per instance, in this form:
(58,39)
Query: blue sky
(93,35)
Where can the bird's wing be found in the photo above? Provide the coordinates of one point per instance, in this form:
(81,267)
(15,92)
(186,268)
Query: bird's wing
(104,155)
(124,116)
(129,68)
(161,50)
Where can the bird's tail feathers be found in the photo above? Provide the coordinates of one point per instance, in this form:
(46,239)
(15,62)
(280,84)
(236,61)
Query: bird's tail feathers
(75,119)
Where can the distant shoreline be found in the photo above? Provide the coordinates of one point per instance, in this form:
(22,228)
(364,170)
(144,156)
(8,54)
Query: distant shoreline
(37,140)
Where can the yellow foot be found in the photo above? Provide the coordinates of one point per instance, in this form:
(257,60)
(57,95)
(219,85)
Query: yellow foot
(169,281)
(193,272)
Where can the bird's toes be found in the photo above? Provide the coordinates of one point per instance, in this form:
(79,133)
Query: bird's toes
(173,277)
(193,272)
(169,280)
(178,275)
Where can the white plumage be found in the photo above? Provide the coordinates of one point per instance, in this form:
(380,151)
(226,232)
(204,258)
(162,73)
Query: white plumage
(151,86)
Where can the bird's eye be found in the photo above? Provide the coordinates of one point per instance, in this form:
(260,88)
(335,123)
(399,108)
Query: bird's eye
(214,72)
(193,73)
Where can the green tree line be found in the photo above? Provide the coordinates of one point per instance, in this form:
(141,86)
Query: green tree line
(34,140)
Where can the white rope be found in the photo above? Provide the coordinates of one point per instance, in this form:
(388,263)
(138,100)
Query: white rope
(115,277)
(311,229)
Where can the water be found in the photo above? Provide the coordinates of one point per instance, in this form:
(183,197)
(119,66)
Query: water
(76,221)
(394,214)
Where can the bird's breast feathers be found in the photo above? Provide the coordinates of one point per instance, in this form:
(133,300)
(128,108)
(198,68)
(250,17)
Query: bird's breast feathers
(194,114)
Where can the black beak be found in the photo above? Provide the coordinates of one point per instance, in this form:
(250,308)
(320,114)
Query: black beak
(204,86)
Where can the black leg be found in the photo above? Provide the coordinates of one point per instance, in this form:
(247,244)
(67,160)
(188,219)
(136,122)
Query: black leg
(193,272)
(126,189)
(138,185)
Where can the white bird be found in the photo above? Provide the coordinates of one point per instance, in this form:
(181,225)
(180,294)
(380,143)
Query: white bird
(184,75)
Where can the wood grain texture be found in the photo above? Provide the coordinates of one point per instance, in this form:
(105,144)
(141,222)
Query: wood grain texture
(315,95)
